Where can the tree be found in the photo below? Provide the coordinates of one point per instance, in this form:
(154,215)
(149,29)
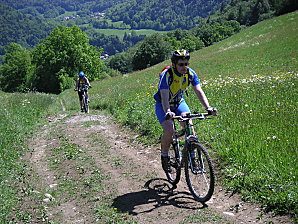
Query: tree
(179,34)
(191,43)
(284,6)
(152,51)
(60,57)
(215,31)
(16,69)
(261,7)
(121,62)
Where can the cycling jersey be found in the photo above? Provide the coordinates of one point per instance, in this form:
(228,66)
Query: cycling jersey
(82,81)
(176,84)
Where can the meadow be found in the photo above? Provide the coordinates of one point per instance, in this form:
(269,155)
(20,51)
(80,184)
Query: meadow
(251,78)
(121,32)
(20,115)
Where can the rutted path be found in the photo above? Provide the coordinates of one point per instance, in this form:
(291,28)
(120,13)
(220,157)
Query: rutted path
(134,183)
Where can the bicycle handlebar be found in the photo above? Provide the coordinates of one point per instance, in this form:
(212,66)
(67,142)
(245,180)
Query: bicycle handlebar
(200,116)
(83,88)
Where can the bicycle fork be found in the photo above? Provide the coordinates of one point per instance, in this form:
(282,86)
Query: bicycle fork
(194,155)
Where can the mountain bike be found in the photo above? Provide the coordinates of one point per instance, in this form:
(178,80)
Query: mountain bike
(193,156)
(83,89)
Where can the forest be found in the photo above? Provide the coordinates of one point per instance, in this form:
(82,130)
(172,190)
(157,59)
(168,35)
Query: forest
(50,41)
(28,22)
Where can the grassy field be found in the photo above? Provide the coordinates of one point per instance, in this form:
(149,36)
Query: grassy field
(20,114)
(120,33)
(252,79)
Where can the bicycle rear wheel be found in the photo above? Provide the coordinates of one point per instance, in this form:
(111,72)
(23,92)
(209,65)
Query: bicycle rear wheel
(85,104)
(175,164)
(200,180)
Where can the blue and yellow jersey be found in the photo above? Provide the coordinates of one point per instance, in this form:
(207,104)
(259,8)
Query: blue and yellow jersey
(176,84)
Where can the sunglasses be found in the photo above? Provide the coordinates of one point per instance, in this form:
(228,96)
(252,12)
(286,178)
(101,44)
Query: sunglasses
(183,64)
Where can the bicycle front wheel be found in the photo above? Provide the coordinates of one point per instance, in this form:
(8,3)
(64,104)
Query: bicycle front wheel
(199,173)
(174,175)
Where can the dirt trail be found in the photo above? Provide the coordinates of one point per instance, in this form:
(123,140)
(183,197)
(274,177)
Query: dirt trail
(136,180)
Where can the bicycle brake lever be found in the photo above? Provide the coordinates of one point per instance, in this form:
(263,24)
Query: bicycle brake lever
(168,117)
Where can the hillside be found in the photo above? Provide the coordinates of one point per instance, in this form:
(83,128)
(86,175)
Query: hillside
(50,9)
(28,22)
(137,14)
(18,27)
(163,15)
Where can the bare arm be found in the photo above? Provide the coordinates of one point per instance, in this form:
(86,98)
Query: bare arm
(87,81)
(164,93)
(201,95)
(77,84)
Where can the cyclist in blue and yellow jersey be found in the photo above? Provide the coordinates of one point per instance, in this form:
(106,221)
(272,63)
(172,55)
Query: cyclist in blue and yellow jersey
(170,101)
(82,81)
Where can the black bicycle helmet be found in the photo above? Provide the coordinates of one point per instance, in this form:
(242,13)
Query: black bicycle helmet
(180,54)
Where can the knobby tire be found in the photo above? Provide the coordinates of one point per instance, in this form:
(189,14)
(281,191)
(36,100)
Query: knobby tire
(85,103)
(175,174)
(200,184)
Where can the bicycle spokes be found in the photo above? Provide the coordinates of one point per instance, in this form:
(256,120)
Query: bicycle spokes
(198,166)
(200,174)
(175,164)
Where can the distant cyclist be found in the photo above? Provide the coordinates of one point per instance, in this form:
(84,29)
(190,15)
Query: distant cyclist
(81,84)
(169,98)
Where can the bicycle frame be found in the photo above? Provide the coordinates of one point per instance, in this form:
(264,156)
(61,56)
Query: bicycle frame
(188,131)
(84,89)
(199,172)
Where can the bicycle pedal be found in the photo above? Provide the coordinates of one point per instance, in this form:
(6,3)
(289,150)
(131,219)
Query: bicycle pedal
(197,170)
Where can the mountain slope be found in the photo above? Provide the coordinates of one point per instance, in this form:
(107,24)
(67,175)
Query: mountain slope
(163,14)
(17,27)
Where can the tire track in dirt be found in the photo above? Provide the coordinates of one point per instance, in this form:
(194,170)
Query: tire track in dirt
(149,206)
(39,146)
(131,166)
(140,165)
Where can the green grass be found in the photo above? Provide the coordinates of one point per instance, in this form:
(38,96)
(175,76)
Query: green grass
(120,33)
(255,139)
(204,216)
(264,49)
(85,182)
(19,115)
(252,78)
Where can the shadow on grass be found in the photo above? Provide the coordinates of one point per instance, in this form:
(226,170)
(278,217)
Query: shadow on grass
(158,192)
